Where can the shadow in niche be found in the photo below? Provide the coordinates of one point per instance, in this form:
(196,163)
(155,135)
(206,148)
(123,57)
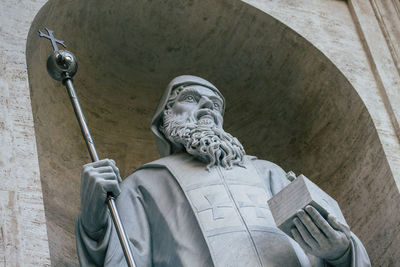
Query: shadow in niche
(286,101)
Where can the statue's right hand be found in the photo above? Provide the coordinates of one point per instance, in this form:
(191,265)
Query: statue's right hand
(98,179)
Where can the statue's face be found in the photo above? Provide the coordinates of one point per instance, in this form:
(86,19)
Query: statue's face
(200,104)
(192,122)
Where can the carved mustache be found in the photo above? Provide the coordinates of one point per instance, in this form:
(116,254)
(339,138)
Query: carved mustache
(206,112)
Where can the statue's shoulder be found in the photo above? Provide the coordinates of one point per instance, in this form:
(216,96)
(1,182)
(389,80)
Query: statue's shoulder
(164,162)
(154,168)
(272,173)
(265,165)
(180,160)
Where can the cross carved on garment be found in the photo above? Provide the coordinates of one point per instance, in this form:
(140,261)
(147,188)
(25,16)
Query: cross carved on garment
(254,203)
(216,205)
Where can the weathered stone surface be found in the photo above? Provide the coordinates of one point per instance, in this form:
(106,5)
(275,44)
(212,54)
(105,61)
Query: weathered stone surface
(23,237)
(388,16)
(332,28)
(127,51)
(305,115)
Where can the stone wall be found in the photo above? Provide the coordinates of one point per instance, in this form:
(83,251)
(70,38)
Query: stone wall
(23,237)
(361,39)
(325,102)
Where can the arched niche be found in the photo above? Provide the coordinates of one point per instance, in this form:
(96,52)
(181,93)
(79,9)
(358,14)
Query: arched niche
(286,102)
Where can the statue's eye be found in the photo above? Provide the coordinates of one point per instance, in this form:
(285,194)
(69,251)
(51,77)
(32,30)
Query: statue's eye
(189,98)
(216,105)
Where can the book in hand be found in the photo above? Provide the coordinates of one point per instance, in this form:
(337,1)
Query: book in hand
(297,195)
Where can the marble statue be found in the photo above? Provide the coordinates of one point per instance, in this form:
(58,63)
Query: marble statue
(204,203)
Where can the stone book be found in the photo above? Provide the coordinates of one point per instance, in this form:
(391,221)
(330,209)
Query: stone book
(297,195)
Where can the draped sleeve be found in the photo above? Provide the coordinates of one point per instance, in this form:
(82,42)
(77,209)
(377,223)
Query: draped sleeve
(159,223)
(103,248)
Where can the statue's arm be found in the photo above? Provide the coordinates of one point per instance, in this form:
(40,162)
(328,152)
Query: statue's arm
(355,256)
(93,225)
(351,251)
(328,239)
(96,238)
(92,252)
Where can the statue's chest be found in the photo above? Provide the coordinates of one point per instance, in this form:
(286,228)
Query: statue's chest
(228,200)
(232,211)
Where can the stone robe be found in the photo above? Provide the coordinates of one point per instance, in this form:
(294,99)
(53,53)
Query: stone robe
(176,213)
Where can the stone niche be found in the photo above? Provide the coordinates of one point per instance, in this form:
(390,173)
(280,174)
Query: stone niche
(286,102)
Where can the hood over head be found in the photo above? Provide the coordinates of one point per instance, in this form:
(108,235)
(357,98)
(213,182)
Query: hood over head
(164,146)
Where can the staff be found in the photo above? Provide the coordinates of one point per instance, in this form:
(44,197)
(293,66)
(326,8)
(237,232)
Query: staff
(62,66)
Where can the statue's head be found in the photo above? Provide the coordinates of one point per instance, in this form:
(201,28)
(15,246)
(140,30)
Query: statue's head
(189,118)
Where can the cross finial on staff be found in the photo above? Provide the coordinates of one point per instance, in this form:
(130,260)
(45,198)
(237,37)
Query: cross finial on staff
(53,40)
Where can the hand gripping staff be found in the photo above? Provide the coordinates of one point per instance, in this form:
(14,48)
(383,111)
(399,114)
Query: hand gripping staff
(62,66)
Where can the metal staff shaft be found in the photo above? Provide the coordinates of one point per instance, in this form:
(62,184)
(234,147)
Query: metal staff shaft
(93,154)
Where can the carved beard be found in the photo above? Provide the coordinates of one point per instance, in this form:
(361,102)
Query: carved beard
(204,140)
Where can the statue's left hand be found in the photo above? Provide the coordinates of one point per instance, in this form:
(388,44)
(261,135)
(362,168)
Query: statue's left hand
(326,239)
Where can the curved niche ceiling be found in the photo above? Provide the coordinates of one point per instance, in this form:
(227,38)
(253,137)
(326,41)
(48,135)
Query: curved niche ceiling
(286,101)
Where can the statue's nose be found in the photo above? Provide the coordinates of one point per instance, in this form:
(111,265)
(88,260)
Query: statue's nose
(205,102)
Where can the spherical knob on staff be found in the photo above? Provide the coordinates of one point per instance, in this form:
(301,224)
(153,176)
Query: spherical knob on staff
(62,65)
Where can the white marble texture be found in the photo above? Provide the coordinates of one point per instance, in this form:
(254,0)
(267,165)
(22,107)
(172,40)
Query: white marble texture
(302,75)
(23,236)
